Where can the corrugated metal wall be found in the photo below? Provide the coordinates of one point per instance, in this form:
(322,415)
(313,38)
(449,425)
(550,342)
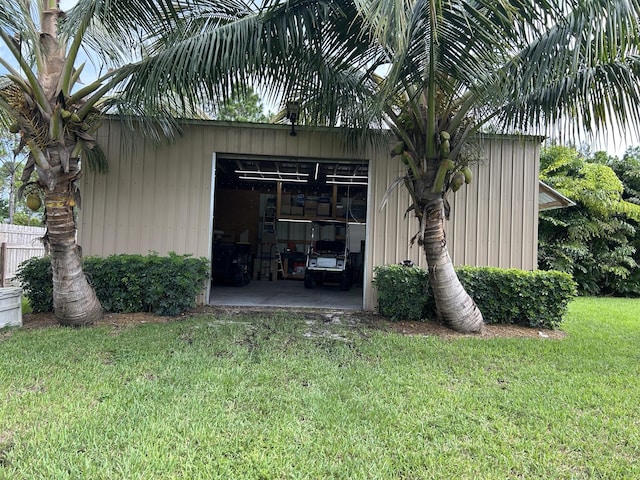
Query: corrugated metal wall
(494,220)
(159,199)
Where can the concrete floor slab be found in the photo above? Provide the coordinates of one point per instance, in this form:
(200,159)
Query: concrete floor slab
(286,293)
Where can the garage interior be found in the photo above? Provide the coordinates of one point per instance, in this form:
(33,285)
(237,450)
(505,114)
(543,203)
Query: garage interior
(276,220)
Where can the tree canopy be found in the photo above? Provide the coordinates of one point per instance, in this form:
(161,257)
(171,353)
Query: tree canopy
(244,105)
(596,241)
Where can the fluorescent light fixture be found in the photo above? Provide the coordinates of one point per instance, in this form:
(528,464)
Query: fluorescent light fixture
(315,177)
(273,179)
(293,220)
(276,174)
(345,177)
(345,182)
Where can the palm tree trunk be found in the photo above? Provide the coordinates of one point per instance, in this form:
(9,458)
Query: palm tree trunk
(453,304)
(74,300)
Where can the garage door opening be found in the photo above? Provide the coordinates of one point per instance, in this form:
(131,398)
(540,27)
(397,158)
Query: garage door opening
(289,231)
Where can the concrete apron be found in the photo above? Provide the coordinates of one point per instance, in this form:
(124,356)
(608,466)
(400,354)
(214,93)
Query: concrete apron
(286,293)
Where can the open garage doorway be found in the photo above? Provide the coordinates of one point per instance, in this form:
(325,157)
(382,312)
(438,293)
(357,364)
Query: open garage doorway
(289,232)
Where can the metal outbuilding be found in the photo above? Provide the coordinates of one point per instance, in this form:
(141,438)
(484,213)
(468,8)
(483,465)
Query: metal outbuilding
(163,198)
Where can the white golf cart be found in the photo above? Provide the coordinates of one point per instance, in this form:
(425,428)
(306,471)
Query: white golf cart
(328,260)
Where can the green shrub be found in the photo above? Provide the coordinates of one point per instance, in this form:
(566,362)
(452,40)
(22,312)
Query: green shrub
(536,299)
(119,281)
(173,283)
(35,277)
(402,292)
(126,283)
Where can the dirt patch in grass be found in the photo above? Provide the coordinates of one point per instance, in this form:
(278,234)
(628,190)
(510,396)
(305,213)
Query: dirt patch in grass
(47,320)
(6,444)
(488,331)
(370,319)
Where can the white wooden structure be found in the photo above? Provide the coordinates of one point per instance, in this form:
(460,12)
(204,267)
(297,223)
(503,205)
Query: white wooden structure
(18,243)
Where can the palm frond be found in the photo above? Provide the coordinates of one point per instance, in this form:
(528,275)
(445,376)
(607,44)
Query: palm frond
(35,88)
(93,157)
(390,189)
(581,73)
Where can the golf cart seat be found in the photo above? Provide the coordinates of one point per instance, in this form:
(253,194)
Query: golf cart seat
(329,246)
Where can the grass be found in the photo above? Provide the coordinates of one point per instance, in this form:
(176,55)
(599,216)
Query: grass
(26,306)
(296,396)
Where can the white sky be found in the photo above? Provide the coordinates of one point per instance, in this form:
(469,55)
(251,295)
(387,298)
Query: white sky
(617,142)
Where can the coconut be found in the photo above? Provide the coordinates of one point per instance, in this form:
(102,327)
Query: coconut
(33,201)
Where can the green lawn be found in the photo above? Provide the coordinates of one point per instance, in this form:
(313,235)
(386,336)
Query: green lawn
(295,396)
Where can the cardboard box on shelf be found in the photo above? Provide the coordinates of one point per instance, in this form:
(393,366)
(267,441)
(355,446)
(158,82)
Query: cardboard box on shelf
(298,271)
(297,211)
(324,209)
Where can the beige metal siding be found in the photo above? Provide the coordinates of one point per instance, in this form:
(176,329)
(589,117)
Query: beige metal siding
(159,199)
(494,220)
(151,200)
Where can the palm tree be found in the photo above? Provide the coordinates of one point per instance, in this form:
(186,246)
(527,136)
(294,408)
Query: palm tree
(42,99)
(436,73)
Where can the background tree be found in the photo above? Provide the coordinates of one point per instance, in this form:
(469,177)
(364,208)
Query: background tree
(595,241)
(5,156)
(628,171)
(13,209)
(435,73)
(243,105)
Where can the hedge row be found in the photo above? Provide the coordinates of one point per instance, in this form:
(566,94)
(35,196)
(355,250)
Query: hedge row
(125,283)
(536,299)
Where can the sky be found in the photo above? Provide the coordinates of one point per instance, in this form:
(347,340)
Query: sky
(614,141)
(617,142)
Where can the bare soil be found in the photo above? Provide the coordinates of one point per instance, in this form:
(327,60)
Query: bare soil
(373,320)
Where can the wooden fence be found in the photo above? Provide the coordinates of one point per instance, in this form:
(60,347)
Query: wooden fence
(18,243)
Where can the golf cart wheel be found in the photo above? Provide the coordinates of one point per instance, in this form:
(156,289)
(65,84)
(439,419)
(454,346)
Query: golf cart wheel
(308,280)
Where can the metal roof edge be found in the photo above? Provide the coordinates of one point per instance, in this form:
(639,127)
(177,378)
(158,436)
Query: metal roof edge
(558,199)
(286,126)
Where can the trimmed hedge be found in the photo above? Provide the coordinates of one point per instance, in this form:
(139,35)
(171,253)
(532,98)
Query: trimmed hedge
(125,283)
(537,299)
(403,292)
